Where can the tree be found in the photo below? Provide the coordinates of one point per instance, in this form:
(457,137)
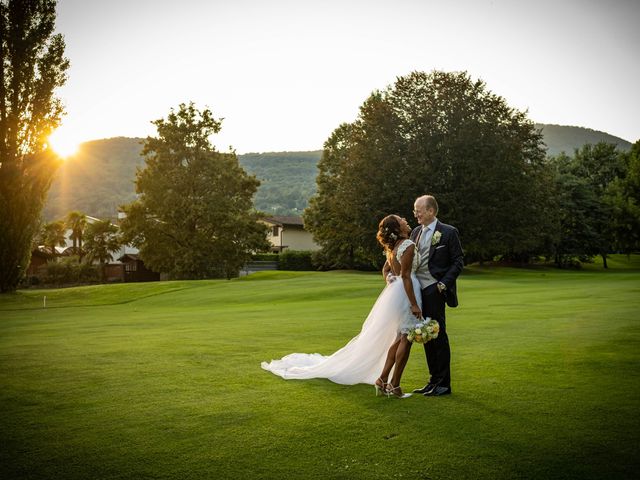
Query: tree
(622,195)
(439,133)
(33,65)
(53,235)
(76,221)
(102,240)
(194,216)
(577,211)
(586,178)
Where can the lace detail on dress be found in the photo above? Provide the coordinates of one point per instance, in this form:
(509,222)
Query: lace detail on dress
(416,255)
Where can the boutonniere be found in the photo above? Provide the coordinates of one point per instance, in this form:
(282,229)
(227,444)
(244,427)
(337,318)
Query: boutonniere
(436,237)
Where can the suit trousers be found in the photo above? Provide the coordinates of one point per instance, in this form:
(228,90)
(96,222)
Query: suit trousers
(437,350)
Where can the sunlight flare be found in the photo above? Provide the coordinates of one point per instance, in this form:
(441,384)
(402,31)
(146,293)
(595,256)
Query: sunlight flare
(63,143)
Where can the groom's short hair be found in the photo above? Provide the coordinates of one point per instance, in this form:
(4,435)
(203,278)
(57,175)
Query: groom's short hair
(429,202)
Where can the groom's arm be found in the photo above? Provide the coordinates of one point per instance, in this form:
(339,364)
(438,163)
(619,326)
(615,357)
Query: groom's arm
(456,259)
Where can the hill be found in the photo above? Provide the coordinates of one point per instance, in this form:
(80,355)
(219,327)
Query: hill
(100,177)
(97,179)
(562,138)
(288,180)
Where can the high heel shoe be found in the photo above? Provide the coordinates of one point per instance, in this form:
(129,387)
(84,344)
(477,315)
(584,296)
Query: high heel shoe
(396,392)
(381,388)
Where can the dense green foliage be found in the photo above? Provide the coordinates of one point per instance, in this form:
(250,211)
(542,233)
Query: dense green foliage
(265,257)
(622,195)
(445,135)
(52,235)
(287,180)
(163,380)
(101,241)
(194,216)
(68,271)
(296,260)
(76,222)
(33,65)
(596,201)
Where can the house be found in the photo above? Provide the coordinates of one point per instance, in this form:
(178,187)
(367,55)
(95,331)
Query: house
(134,269)
(126,268)
(289,232)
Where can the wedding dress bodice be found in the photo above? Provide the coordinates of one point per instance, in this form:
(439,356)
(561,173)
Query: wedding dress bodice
(402,248)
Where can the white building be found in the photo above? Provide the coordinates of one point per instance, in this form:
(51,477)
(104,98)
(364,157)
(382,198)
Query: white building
(289,233)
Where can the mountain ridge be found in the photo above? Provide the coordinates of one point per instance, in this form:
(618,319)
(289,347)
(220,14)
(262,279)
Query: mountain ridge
(100,176)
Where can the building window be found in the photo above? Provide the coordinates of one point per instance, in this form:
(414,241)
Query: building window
(130,267)
(275,231)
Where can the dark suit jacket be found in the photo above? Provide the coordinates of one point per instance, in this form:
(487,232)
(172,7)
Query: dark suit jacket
(445,259)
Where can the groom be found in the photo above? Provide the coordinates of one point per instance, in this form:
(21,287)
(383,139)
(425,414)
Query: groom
(440,264)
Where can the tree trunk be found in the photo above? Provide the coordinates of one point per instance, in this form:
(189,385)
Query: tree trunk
(604,260)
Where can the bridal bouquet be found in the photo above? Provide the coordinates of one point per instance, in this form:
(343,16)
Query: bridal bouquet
(424,331)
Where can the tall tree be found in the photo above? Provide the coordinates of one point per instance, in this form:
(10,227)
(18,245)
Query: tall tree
(76,221)
(439,133)
(102,240)
(33,65)
(360,179)
(577,211)
(599,165)
(194,216)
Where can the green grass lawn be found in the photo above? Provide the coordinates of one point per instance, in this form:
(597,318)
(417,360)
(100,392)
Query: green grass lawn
(163,380)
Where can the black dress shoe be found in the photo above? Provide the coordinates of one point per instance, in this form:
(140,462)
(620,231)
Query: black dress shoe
(438,392)
(427,388)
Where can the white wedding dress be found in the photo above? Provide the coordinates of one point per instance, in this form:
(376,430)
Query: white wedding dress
(361,360)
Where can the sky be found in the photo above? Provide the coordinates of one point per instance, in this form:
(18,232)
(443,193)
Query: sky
(283,74)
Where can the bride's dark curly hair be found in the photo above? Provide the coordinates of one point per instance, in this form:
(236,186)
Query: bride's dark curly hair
(388,232)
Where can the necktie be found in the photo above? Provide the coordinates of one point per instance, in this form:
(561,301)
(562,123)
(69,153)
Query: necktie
(423,237)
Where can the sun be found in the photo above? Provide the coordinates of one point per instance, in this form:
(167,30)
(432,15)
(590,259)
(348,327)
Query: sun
(63,143)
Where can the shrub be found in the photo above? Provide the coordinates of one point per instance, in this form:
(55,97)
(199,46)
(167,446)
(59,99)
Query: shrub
(68,270)
(269,257)
(296,260)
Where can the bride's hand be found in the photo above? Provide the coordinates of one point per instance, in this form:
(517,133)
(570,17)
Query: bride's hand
(415,309)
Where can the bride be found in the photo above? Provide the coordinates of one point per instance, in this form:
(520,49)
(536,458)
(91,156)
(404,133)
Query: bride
(381,346)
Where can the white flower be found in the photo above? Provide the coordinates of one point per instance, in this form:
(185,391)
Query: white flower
(418,331)
(436,237)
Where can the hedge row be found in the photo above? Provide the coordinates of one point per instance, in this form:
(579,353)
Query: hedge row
(289,259)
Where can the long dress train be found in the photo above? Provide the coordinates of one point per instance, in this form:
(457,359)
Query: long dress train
(361,360)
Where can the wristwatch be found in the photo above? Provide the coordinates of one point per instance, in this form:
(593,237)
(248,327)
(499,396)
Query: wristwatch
(442,286)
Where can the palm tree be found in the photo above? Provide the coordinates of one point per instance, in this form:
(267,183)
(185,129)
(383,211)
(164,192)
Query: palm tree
(101,241)
(77,222)
(53,235)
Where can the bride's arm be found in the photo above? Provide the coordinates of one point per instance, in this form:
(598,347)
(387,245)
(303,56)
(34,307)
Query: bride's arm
(386,269)
(387,272)
(405,264)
